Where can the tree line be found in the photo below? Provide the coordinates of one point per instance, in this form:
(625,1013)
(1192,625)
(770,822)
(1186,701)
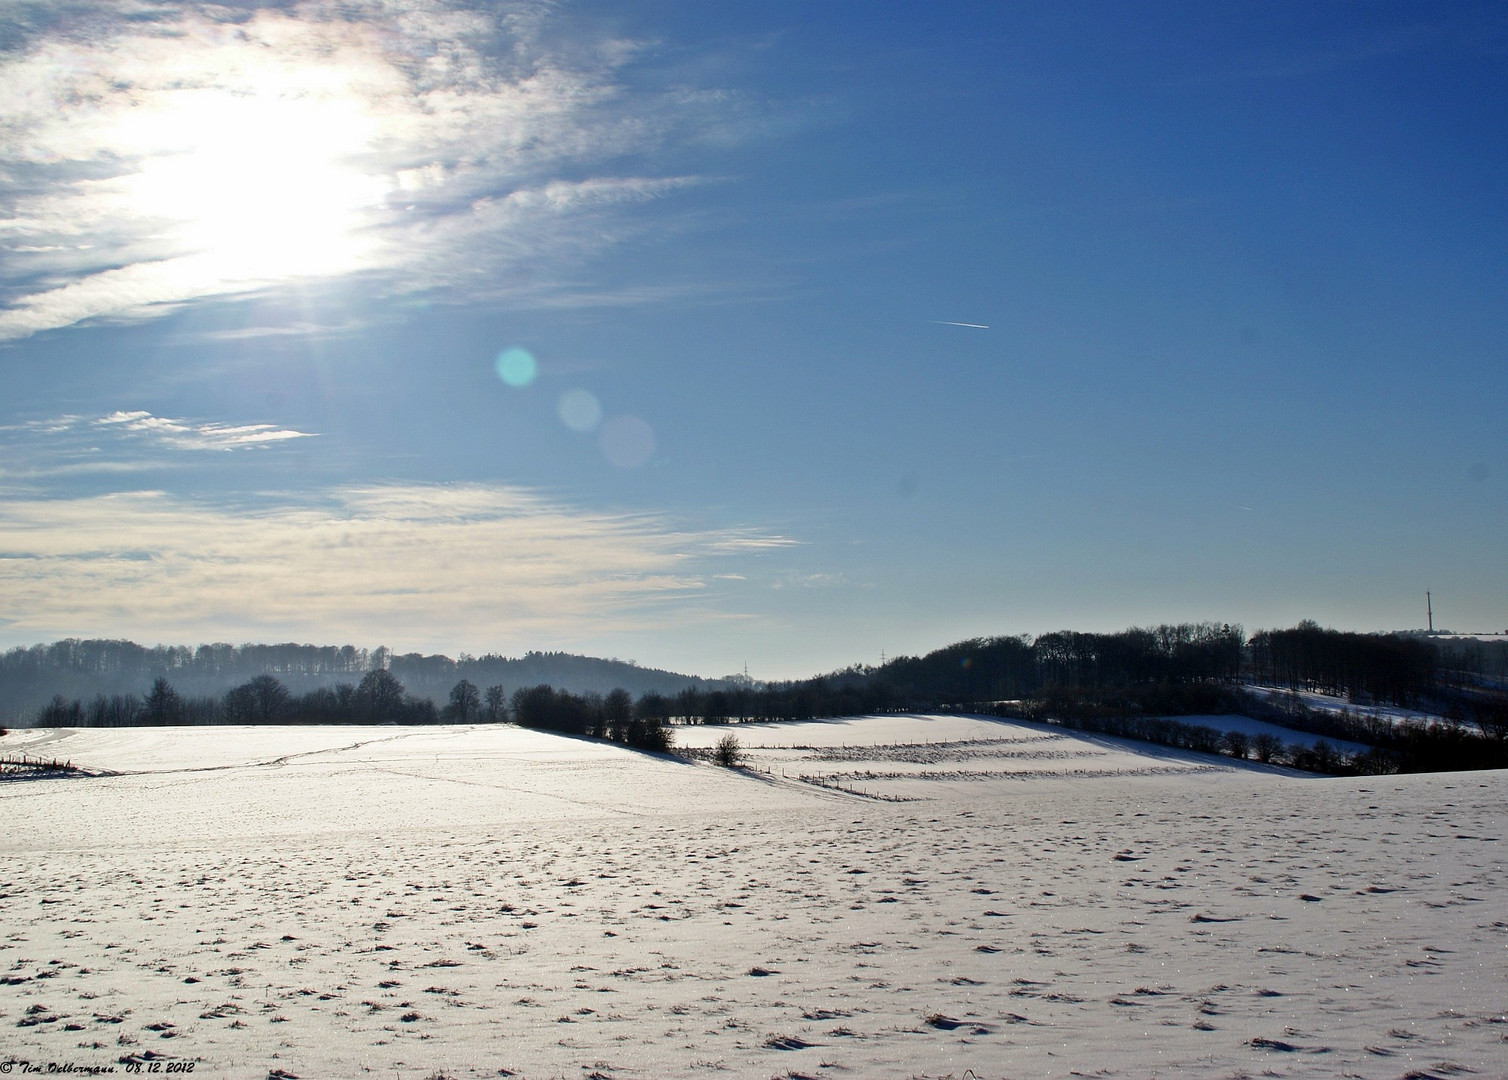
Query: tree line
(379,698)
(1393,745)
(1391,669)
(984,670)
(1169,669)
(1131,677)
(86,669)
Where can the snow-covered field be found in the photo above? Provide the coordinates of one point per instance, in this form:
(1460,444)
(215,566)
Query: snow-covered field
(1287,736)
(962,894)
(1330,703)
(899,757)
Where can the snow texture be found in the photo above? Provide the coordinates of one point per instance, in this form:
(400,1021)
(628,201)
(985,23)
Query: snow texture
(955,894)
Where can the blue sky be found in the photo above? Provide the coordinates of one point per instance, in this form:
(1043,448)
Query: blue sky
(635,330)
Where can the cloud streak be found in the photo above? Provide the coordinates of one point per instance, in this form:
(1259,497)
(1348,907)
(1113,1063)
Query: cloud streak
(156,154)
(184,435)
(439,565)
(125,442)
(63,434)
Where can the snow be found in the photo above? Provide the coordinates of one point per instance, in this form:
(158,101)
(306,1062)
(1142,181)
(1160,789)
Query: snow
(1289,737)
(1330,703)
(856,730)
(1009,898)
(899,757)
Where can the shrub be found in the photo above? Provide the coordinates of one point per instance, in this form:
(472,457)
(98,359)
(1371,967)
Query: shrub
(727,752)
(1266,746)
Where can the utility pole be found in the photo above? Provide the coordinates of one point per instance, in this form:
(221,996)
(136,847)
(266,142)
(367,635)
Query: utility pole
(1430,611)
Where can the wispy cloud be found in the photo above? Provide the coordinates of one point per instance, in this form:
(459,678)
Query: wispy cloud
(754,544)
(161,431)
(812,581)
(160,153)
(436,564)
(294,328)
(123,441)
(183,435)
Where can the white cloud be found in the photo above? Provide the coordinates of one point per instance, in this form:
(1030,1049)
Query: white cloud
(292,328)
(186,435)
(754,544)
(124,442)
(65,433)
(432,564)
(157,154)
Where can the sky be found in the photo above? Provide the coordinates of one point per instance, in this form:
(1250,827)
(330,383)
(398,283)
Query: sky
(775,335)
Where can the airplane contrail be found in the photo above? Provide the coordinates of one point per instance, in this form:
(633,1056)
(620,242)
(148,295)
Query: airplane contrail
(970,325)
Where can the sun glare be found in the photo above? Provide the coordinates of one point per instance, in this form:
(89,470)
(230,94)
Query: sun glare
(258,186)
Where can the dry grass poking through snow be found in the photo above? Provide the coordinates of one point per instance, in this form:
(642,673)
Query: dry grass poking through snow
(473,902)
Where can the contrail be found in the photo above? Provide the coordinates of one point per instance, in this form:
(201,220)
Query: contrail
(970,325)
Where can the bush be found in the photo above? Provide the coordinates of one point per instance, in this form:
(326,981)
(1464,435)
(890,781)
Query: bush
(1266,747)
(727,752)
(651,734)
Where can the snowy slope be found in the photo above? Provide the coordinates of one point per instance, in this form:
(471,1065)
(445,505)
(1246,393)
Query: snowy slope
(490,901)
(1330,703)
(1287,736)
(906,756)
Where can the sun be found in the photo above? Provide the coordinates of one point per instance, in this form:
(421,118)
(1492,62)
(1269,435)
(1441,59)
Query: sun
(258,186)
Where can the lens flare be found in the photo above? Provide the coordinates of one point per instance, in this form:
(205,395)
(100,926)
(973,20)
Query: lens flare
(579,410)
(516,367)
(627,442)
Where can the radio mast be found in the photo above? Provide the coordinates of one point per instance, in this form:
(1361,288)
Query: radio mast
(1429,609)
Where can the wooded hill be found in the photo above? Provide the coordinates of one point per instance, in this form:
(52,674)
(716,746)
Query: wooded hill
(1168,670)
(84,669)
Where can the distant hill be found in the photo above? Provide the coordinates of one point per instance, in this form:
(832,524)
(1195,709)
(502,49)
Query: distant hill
(31,676)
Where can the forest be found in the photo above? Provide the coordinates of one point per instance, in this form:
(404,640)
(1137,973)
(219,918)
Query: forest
(87,669)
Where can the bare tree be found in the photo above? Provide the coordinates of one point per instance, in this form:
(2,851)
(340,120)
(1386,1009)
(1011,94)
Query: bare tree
(617,714)
(465,703)
(379,698)
(1266,746)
